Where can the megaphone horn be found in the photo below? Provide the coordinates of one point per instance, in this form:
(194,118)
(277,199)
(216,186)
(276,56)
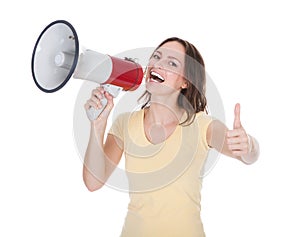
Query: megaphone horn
(56,59)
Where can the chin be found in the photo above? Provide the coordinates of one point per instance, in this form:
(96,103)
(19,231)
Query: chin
(155,88)
(151,87)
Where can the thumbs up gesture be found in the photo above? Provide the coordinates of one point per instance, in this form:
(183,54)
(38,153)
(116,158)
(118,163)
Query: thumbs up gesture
(239,143)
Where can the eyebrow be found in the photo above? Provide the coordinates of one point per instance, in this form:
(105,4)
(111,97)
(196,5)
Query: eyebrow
(157,51)
(171,57)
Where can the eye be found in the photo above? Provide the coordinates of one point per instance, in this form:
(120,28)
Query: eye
(173,64)
(156,56)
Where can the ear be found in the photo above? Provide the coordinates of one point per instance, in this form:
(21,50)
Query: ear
(185,84)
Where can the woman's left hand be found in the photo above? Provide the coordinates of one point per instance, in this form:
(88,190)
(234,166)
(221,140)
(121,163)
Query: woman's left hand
(237,139)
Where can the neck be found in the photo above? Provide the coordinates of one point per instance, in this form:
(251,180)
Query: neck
(163,114)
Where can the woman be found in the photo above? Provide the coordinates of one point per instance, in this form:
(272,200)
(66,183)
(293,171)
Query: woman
(165,144)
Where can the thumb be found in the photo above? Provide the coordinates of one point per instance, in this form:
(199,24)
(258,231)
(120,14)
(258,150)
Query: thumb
(237,119)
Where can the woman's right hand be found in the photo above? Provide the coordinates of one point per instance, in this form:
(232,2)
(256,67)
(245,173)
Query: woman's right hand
(95,102)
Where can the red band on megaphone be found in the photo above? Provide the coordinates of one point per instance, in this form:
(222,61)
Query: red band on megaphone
(126,74)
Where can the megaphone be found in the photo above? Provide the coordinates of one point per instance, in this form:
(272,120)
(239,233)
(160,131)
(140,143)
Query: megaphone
(55,59)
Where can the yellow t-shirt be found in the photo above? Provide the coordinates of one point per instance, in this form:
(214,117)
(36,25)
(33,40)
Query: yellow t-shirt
(164,179)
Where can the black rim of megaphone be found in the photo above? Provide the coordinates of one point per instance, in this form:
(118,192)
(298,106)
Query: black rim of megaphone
(75,58)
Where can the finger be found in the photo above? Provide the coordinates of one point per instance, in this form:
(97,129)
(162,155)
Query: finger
(236,132)
(110,102)
(96,99)
(97,93)
(238,147)
(100,89)
(86,106)
(237,140)
(97,96)
(237,120)
(239,153)
(108,107)
(108,96)
(93,103)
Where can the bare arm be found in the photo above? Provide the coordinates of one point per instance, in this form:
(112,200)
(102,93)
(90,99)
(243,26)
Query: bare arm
(235,143)
(100,161)
(100,158)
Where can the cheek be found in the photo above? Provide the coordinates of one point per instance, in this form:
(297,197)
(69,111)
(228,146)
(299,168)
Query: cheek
(175,80)
(147,74)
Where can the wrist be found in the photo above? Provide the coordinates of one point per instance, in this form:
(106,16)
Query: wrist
(250,143)
(253,151)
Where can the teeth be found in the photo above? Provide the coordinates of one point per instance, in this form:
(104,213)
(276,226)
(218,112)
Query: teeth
(157,77)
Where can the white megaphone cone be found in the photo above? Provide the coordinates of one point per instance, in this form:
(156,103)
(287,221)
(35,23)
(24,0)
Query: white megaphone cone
(56,59)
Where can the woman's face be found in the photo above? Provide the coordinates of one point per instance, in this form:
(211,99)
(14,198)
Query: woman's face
(165,72)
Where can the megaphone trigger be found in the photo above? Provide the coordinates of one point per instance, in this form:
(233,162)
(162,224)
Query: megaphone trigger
(93,113)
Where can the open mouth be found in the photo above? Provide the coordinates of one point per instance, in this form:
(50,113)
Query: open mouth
(154,76)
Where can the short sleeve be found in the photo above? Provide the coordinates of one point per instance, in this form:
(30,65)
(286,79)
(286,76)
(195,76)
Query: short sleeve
(117,128)
(204,121)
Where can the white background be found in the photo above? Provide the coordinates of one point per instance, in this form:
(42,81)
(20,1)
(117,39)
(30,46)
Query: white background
(251,50)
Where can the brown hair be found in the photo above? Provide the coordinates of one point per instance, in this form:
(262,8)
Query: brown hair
(192,99)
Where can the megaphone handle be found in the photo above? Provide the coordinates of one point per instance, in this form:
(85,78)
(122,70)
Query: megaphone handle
(93,113)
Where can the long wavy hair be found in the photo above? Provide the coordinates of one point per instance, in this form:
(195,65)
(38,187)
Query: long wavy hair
(192,99)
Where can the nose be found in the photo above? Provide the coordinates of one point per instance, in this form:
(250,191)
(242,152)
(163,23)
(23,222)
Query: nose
(160,64)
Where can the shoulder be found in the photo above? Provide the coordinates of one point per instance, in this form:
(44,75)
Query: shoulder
(120,116)
(203,118)
(200,121)
(125,117)
(125,122)
(216,132)
(200,126)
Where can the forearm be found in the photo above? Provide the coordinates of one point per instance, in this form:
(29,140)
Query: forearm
(94,174)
